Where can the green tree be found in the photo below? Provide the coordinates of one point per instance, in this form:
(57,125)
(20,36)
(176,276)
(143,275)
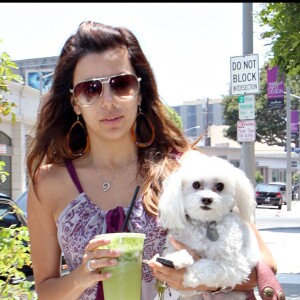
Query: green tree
(259,178)
(173,115)
(13,255)
(6,76)
(270,123)
(283,34)
(14,252)
(3,173)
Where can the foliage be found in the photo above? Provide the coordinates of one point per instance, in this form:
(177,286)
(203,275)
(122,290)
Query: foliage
(295,179)
(14,241)
(13,256)
(283,34)
(270,123)
(173,115)
(3,173)
(6,76)
(259,178)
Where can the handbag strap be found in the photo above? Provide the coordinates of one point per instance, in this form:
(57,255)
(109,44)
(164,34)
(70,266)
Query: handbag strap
(269,287)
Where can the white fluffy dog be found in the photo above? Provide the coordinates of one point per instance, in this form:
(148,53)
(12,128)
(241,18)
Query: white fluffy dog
(207,204)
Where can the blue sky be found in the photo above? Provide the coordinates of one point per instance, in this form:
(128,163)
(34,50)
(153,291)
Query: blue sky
(188,45)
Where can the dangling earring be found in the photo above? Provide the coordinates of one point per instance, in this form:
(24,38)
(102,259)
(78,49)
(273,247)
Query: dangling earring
(138,127)
(68,142)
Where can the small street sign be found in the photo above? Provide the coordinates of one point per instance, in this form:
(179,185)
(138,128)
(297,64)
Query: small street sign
(246,107)
(246,131)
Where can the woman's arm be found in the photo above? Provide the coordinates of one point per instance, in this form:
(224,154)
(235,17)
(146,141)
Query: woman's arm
(266,254)
(175,277)
(45,249)
(46,253)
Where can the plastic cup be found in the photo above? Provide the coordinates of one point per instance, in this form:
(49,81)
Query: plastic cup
(126,280)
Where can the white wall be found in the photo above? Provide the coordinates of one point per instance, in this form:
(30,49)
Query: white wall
(27,101)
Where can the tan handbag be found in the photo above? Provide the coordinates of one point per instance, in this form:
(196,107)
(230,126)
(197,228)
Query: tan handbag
(269,287)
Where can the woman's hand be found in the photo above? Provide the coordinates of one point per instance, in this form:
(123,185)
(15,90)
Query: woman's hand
(171,276)
(94,259)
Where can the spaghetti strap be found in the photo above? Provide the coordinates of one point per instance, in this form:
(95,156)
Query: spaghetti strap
(72,171)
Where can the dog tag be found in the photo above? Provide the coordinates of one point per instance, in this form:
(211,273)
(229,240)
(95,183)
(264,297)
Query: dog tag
(212,233)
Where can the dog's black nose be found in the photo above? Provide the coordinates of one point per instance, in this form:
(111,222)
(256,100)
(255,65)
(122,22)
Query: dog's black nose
(207,201)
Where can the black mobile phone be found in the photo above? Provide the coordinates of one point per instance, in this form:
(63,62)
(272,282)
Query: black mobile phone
(165,262)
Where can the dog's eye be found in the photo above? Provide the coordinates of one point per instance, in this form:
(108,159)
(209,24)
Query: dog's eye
(196,185)
(219,186)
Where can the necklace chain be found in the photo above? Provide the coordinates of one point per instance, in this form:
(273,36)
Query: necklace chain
(107,183)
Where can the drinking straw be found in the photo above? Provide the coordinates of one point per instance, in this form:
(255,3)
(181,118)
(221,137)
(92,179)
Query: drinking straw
(130,208)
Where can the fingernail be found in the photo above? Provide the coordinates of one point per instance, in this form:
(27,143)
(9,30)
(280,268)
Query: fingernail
(114,261)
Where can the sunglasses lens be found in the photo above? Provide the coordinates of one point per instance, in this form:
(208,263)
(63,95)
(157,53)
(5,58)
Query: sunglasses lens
(125,86)
(88,92)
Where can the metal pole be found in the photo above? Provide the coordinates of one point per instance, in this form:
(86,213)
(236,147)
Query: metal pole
(288,148)
(206,126)
(41,85)
(247,149)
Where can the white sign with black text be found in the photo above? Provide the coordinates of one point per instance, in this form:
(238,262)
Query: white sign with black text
(246,131)
(244,73)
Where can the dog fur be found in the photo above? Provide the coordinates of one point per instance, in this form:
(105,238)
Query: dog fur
(205,189)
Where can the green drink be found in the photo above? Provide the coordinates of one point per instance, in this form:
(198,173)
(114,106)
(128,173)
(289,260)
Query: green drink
(126,280)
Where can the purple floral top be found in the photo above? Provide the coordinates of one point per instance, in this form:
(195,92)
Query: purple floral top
(81,220)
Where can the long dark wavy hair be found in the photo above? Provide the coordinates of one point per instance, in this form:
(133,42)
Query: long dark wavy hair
(56,114)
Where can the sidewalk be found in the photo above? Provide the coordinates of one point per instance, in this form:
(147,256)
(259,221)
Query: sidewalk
(284,244)
(294,212)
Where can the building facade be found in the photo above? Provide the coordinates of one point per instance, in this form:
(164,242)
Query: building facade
(14,137)
(197,116)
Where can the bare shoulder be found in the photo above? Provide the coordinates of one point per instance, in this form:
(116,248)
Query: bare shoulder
(49,176)
(52,184)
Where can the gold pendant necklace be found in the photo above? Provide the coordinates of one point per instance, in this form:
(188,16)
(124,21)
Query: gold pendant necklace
(107,184)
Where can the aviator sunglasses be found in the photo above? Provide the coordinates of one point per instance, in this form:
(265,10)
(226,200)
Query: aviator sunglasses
(125,86)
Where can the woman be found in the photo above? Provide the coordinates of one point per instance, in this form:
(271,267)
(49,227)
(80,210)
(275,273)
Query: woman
(101,132)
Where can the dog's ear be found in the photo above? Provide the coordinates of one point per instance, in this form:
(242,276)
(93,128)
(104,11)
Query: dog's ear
(170,207)
(245,196)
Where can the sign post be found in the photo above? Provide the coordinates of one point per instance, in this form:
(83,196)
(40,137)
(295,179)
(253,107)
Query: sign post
(245,80)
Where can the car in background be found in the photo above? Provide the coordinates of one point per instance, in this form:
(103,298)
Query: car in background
(270,194)
(283,185)
(22,202)
(10,215)
(294,188)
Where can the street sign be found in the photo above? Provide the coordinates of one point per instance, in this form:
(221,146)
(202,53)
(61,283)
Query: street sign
(244,73)
(246,131)
(246,107)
